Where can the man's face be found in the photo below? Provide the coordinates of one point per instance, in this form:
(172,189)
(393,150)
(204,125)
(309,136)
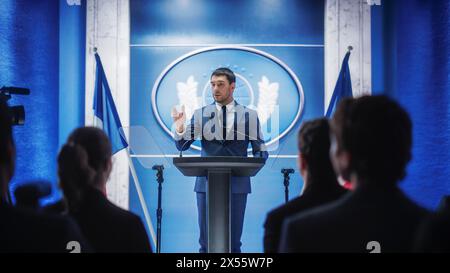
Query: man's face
(333,153)
(222,90)
(339,159)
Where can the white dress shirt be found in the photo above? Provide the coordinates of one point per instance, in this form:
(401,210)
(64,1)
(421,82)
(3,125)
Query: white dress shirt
(230,115)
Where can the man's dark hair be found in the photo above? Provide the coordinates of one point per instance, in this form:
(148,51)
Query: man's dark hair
(376,131)
(314,144)
(223,71)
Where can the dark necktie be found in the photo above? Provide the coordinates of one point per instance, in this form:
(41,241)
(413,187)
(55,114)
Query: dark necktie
(224,121)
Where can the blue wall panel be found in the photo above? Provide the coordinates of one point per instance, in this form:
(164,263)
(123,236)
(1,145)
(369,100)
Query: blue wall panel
(232,21)
(416,72)
(72,45)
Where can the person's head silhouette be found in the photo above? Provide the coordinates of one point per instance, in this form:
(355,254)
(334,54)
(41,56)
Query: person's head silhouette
(84,162)
(371,140)
(314,160)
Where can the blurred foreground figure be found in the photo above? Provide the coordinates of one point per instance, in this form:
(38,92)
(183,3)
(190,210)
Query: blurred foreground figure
(25,230)
(370,146)
(320,185)
(84,165)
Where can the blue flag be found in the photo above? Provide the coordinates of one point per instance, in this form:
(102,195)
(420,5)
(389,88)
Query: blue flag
(105,109)
(343,87)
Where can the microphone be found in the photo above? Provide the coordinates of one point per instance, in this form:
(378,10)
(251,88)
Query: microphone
(158,168)
(182,147)
(287,171)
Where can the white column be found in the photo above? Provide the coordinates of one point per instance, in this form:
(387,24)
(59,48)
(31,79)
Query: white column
(347,23)
(108,29)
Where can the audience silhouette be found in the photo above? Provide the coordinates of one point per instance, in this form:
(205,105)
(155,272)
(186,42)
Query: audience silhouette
(370,146)
(84,165)
(26,230)
(320,185)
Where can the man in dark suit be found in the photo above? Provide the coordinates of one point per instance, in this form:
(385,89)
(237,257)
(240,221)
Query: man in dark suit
(434,234)
(370,146)
(109,228)
(320,185)
(22,230)
(225,128)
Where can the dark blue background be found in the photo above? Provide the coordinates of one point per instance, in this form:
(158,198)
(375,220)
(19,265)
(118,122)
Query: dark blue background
(29,58)
(411,63)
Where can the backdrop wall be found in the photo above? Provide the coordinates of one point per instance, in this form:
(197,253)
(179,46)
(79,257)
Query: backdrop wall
(411,64)
(292,31)
(42,48)
(29,44)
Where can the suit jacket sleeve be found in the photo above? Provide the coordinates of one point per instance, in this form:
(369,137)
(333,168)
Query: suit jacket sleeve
(270,235)
(259,148)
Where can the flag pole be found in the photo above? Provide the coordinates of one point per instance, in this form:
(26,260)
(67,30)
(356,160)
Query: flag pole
(94,121)
(115,123)
(148,220)
(340,90)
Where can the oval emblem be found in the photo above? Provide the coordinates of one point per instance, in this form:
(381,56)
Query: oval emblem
(263,83)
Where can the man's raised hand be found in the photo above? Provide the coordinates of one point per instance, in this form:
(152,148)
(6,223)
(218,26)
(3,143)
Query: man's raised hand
(179,118)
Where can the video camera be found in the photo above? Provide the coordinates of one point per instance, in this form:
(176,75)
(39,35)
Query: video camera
(17,112)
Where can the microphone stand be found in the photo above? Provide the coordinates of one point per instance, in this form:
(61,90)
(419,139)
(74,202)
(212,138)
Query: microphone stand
(160,180)
(286,173)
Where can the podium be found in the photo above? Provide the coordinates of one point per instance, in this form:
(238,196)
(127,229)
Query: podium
(219,170)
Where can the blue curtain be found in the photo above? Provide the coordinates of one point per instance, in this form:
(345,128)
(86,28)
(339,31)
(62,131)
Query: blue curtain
(29,58)
(415,63)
